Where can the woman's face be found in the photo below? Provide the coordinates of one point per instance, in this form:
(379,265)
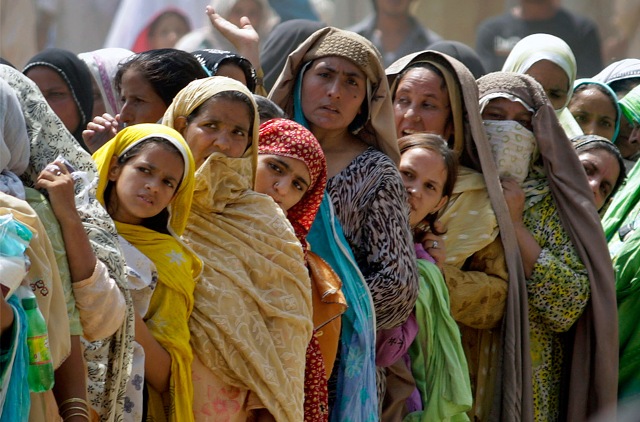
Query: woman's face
(222,125)
(594,112)
(58,95)
(421,104)
(554,81)
(140,102)
(602,170)
(144,185)
(628,140)
(505,109)
(333,89)
(167,30)
(284,179)
(424,175)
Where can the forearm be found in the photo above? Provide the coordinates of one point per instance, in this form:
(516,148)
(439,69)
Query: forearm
(157,361)
(70,384)
(80,256)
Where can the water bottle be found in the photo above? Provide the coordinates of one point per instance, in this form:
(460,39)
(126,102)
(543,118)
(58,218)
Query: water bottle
(40,373)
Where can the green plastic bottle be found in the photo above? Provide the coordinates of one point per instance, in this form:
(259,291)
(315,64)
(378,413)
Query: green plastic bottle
(40,373)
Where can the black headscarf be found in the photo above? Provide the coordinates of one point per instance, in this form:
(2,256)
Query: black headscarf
(211,59)
(282,40)
(77,76)
(463,53)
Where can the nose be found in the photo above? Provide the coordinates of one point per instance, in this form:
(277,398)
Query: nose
(281,186)
(411,190)
(634,138)
(126,114)
(334,88)
(594,184)
(222,141)
(590,128)
(152,185)
(411,114)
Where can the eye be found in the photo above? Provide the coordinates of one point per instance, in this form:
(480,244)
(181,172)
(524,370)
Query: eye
(605,189)
(276,168)
(588,168)
(407,174)
(427,104)
(298,186)
(352,81)
(143,170)
(168,183)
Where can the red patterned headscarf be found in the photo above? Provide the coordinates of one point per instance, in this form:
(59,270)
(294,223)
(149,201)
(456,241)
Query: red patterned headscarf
(289,139)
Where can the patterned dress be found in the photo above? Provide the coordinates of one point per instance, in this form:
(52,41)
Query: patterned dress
(370,202)
(558,292)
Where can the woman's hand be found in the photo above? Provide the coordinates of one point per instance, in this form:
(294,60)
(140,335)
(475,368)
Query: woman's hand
(100,131)
(435,245)
(514,197)
(244,38)
(58,182)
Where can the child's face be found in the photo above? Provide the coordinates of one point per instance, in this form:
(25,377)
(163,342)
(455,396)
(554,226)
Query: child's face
(424,175)
(284,179)
(141,104)
(144,185)
(221,126)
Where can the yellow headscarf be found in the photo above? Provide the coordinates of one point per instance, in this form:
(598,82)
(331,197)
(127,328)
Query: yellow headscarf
(178,267)
(251,323)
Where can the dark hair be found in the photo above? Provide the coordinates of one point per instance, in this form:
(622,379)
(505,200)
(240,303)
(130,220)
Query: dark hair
(598,87)
(418,65)
(622,86)
(157,222)
(267,109)
(167,70)
(585,143)
(233,96)
(437,144)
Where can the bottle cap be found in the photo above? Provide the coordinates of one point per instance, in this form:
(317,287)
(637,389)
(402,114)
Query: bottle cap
(29,303)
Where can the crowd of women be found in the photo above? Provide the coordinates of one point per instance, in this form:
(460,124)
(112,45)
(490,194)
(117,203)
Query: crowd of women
(409,243)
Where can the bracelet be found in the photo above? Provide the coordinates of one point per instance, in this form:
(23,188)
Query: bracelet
(74,400)
(76,414)
(84,409)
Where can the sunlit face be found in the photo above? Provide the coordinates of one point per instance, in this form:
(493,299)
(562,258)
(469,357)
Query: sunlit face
(141,104)
(233,71)
(421,104)
(249,8)
(168,30)
(424,175)
(58,95)
(505,109)
(222,125)
(602,170)
(594,111)
(553,79)
(333,89)
(628,140)
(284,179)
(144,185)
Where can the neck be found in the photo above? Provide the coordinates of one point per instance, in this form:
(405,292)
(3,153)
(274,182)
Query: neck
(536,10)
(386,23)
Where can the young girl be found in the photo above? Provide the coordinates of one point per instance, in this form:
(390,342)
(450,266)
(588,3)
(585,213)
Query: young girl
(292,171)
(146,185)
(429,170)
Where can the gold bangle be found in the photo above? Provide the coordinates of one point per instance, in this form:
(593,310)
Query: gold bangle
(74,400)
(70,408)
(76,414)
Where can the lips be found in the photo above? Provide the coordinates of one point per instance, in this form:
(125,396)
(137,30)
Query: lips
(146,199)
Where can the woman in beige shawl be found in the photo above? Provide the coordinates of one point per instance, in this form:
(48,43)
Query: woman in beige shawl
(251,321)
(482,269)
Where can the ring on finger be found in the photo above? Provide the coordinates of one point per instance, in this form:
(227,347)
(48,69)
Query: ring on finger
(435,244)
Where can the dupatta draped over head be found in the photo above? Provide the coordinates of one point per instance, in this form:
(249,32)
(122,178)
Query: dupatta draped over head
(76,75)
(379,128)
(593,377)
(513,393)
(103,65)
(177,266)
(251,322)
(108,359)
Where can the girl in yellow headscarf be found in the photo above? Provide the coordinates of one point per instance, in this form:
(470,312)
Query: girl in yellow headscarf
(146,185)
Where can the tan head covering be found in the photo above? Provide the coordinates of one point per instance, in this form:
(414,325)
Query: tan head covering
(379,130)
(594,362)
(514,393)
(198,92)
